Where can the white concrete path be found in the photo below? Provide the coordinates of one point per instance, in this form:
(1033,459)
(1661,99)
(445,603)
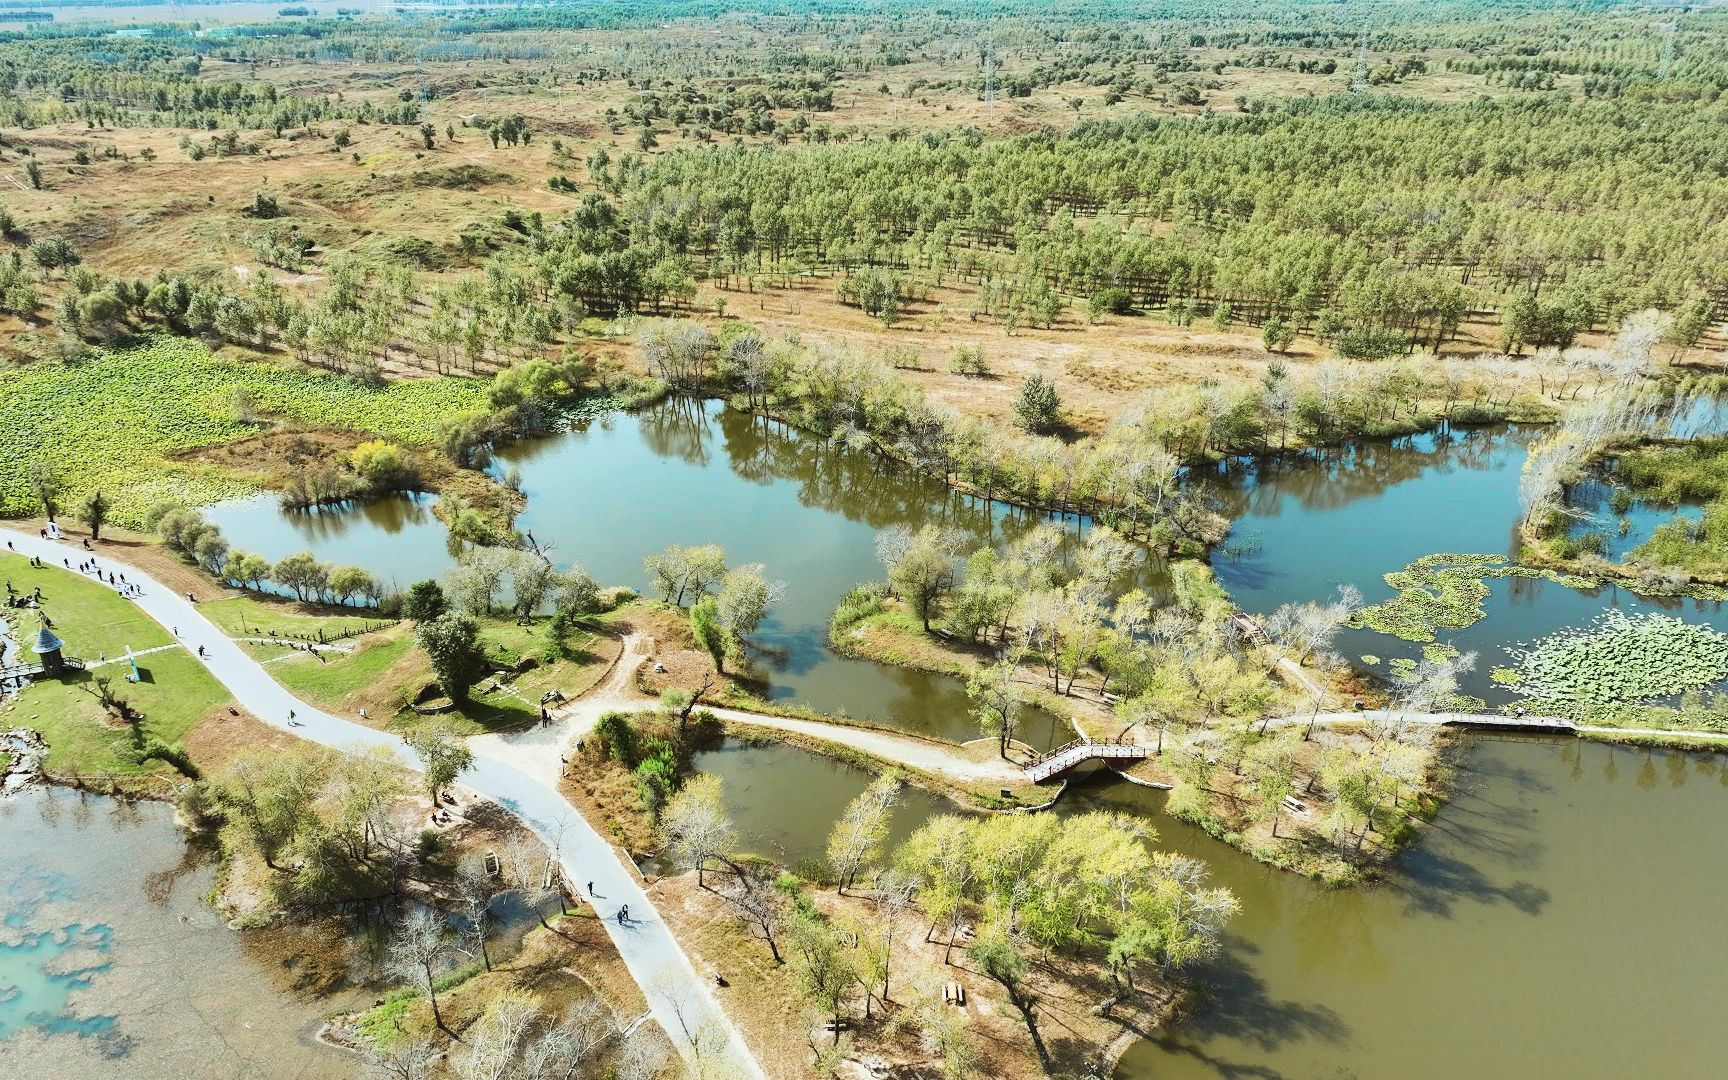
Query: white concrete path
(679,999)
(537,750)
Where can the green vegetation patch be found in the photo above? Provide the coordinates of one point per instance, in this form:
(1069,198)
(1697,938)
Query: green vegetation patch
(83,736)
(1673,474)
(1446,591)
(108,422)
(1621,659)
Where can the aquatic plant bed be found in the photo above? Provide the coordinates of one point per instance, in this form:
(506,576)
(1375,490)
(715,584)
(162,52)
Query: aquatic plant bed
(1445,592)
(1620,660)
(108,422)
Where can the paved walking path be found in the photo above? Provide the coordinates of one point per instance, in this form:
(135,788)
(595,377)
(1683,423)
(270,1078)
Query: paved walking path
(679,999)
(538,750)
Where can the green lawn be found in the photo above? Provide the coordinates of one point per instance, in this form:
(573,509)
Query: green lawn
(91,619)
(331,680)
(176,692)
(251,616)
(386,671)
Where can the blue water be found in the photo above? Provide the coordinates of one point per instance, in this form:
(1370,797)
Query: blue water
(1351,516)
(43,966)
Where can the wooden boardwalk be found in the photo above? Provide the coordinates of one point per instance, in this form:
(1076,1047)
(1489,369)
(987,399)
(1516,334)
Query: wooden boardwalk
(1068,756)
(30,671)
(1251,631)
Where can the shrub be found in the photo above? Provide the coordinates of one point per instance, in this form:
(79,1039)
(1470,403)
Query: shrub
(615,738)
(1039,407)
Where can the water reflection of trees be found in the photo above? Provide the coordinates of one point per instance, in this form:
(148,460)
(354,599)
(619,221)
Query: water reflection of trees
(677,428)
(875,490)
(1331,478)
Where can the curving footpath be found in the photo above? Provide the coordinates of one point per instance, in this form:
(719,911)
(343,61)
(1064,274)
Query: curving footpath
(677,997)
(538,750)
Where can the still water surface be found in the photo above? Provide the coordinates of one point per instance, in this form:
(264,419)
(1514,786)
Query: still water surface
(112,965)
(1545,897)
(1306,526)
(1552,922)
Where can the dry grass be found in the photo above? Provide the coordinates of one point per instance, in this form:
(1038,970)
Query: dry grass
(767,1003)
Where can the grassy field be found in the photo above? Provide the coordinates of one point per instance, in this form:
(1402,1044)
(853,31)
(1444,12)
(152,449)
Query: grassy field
(175,694)
(385,673)
(253,616)
(111,421)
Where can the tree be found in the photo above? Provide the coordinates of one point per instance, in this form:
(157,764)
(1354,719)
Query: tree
(302,573)
(402,1058)
(856,839)
(33,172)
(761,907)
(46,485)
(96,513)
(679,570)
(452,644)
(705,628)
(476,887)
(419,943)
(1277,335)
(822,965)
(997,956)
(442,754)
(696,825)
(425,601)
(51,253)
(475,582)
(996,702)
(576,594)
(1271,765)
(532,579)
(347,582)
(920,565)
(742,603)
(1038,409)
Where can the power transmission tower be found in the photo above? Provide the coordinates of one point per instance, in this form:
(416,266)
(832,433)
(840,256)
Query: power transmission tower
(1667,64)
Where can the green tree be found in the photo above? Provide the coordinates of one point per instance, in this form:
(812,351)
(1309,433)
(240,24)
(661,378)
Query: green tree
(696,825)
(443,755)
(302,573)
(46,485)
(856,839)
(705,628)
(1038,409)
(452,644)
(425,601)
(996,702)
(1277,335)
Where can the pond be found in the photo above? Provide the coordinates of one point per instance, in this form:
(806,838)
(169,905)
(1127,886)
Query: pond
(784,800)
(1545,926)
(610,491)
(1621,533)
(112,965)
(397,538)
(1306,525)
